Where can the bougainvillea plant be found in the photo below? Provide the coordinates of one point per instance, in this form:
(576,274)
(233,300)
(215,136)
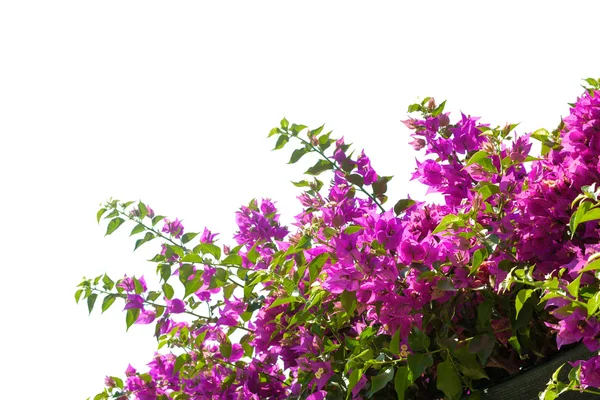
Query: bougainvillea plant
(357,300)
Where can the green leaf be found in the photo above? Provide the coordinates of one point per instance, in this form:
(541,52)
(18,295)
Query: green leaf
(143,210)
(448,221)
(521,299)
(593,266)
(90,301)
(284,123)
(477,259)
(573,287)
(188,236)
(482,345)
(232,259)
(577,216)
(348,300)
(284,300)
(395,343)
(137,229)
(100,213)
(108,301)
(353,229)
(487,189)
(113,225)
(418,340)
(448,380)
(593,304)
(181,360)
(192,258)
(438,110)
(316,264)
(402,381)
(414,108)
(355,179)
(192,286)
(281,141)
(402,205)
(108,283)
(131,316)
(469,366)
(157,219)
(147,237)
(418,363)
(168,290)
(475,158)
(212,249)
(297,155)
(319,167)
(78,295)
(225,349)
(296,129)
(355,376)
(380,380)
(591,215)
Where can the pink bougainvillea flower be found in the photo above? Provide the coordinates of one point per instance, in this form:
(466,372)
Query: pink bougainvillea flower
(590,372)
(173,228)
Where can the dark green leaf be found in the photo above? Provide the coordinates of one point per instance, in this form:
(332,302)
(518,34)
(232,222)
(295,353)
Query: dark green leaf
(181,360)
(418,363)
(90,301)
(147,237)
(483,346)
(522,297)
(448,380)
(395,343)
(319,167)
(356,179)
(380,380)
(402,381)
(188,236)
(348,300)
(469,365)
(297,155)
(402,205)
(157,219)
(418,340)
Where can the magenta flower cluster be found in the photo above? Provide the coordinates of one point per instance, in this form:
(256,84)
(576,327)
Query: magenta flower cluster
(352,295)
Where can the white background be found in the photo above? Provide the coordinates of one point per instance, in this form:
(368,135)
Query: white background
(171,103)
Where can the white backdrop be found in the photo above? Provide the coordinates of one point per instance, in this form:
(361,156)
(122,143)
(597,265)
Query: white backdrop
(171,103)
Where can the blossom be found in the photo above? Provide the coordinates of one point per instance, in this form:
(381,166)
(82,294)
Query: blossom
(175,306)
(173,228)
(590,372)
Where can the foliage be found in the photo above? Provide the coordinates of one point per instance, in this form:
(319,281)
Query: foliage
(364,300)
